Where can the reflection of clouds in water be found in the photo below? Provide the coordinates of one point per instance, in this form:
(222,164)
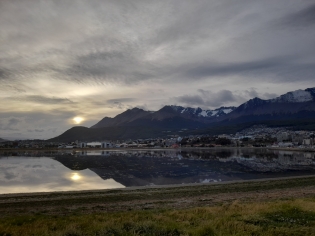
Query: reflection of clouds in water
(9,176)
(24,174)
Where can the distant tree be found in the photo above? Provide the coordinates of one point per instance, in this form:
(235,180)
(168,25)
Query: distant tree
(223,141)
(205,140)
(184,141)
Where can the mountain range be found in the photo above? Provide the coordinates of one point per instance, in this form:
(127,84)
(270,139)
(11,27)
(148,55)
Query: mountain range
(166,117)
(294,109)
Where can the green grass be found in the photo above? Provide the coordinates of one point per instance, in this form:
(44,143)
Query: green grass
(283,217)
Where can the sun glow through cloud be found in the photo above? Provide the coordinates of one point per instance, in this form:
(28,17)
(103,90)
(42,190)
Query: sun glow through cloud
(77,120)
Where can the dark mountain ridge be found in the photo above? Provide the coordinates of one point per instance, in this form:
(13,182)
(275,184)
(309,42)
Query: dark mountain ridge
(123,118)
(167,116)
(295,107)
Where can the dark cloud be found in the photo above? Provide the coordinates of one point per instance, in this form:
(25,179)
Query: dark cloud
(7,128)
(191,100)
(53,130)
(3,74)
(121,100)
(220,98)
(41,99)
(15,88)
(108,67)
(8,175)
(284,69)
(142,41)
(102,57)
(9,124)
(13,121)
(251,93)
(269,95)
(215,69)
(302,18)
(143,107)
(35,124)
(120,103)
(209,99)
(36,130)
(39,130)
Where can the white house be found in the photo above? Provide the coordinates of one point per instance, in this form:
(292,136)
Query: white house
(96,145)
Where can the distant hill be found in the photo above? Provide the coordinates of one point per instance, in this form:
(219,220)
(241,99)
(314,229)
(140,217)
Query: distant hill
(3,140)
(294,109)
(106,133)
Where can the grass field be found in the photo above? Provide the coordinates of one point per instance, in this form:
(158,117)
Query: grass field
(294,217)
(271,207)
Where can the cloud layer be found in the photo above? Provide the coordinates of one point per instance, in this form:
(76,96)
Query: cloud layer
(60,59)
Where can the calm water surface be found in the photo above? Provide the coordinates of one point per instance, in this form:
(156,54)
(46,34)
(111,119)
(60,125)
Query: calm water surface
(64,171)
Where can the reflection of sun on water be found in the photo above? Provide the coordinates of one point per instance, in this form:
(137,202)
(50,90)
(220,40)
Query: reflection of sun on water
(75,176)
(77,120)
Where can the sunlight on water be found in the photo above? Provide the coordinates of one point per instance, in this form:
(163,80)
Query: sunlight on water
(75,176)
(31,174)
(71,170)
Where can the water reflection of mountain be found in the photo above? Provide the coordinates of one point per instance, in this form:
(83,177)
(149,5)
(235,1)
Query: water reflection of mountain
(137,168)
(146,170)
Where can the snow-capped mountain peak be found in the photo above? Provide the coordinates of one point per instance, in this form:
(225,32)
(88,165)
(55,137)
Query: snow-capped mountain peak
(201,112)
(295,96)
(177,108)
(221,111)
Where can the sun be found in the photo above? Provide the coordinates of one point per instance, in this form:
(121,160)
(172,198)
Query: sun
(77,120)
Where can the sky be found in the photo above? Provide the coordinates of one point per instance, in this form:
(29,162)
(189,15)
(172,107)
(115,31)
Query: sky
(63,59)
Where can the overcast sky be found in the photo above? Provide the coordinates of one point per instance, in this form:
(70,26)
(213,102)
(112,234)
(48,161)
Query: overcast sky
(62,59)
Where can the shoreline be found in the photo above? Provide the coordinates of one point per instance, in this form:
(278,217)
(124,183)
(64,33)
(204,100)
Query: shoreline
(156,197)
(155,149)
(149,187)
